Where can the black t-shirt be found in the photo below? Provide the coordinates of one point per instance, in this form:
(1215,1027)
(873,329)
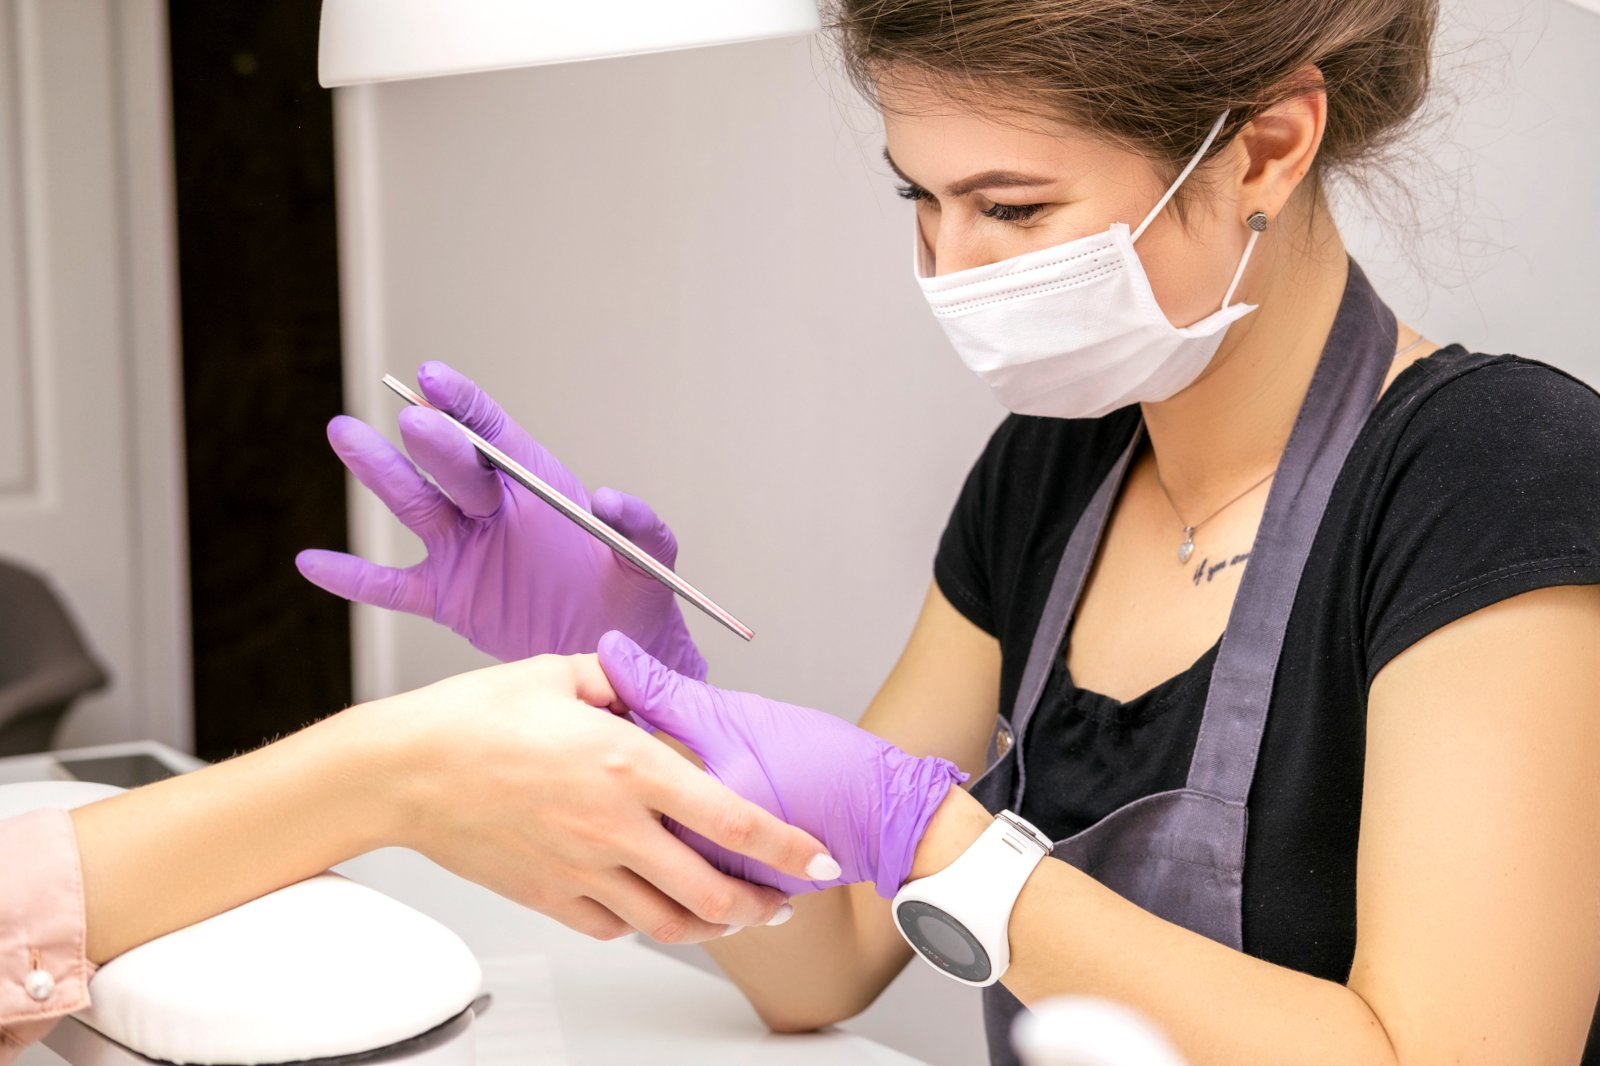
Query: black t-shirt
(1476,478)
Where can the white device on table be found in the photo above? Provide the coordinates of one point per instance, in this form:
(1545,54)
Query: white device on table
(957,919)
(585,521)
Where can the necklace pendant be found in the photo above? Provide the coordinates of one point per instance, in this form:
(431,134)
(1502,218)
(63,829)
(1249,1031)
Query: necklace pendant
(1186,549)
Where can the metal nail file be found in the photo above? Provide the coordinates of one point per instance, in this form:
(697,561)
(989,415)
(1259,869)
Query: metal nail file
(588,522)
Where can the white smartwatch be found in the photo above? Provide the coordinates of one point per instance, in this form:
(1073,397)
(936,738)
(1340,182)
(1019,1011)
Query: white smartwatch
(958,919)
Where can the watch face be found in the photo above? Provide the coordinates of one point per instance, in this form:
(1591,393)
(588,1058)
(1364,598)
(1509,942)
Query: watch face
(943,941)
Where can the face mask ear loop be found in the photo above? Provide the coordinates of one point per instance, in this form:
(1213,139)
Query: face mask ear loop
(1249,246)
(1216,128)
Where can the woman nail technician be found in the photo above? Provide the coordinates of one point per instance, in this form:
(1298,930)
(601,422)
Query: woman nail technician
(479,773)
(1288,616)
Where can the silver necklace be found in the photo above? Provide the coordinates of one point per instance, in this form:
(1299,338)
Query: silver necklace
(1186,549)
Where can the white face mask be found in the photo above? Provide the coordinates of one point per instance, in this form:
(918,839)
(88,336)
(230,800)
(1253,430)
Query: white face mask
(1074,331)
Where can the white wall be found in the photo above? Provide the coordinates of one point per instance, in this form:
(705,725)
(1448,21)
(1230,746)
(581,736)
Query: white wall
(1507,183)
(685,275)
(91,485)
(689,276)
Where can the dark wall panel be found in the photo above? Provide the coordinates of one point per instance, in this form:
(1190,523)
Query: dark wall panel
(253,140)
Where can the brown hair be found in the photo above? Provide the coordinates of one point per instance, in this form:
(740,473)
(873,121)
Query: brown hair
(1155,74)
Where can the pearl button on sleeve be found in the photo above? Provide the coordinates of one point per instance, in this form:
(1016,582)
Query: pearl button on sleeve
(43,970)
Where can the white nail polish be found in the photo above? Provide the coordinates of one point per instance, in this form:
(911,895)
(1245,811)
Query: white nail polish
(822,867)
(732,929)
(785,912)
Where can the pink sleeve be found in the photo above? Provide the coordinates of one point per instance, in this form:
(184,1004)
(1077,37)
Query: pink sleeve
(43,970)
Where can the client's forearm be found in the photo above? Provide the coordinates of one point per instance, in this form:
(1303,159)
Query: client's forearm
(167,855)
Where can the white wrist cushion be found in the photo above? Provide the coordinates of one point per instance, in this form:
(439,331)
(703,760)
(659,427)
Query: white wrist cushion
(18,799)
(321,968)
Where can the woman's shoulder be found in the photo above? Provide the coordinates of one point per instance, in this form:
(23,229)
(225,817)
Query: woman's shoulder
(1022,497)
(1481,481)
(1456,392)
(1460,416)
(1487,423)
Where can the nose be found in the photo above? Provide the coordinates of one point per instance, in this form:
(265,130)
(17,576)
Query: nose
(955,258)
(949,251)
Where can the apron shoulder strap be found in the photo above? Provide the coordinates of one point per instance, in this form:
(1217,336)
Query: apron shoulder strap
(1065,590)
(1355,360)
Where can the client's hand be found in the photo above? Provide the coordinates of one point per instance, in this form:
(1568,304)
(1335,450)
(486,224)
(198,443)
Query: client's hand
(867,800)
(503,569)
(517,777)
(520,779)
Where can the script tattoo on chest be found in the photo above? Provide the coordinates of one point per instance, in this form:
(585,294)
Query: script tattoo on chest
(1208,569)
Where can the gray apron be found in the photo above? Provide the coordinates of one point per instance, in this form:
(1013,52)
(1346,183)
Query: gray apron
(1180,854)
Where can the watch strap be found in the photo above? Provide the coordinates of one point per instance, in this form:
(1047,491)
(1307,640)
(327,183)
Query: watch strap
(1002,858)
(980,888)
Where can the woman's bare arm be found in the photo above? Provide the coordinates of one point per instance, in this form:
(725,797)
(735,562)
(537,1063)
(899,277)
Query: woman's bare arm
(1478,882)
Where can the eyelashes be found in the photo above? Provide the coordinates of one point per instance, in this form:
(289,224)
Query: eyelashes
(1016,213)
(1012,212)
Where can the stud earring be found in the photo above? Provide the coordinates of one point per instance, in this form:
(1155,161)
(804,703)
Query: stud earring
(1257,223)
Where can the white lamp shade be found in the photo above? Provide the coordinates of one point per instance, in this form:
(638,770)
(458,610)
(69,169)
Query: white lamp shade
(389,40)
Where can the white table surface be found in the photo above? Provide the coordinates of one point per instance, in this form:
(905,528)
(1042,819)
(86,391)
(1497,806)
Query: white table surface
(616,1002)
(562,999)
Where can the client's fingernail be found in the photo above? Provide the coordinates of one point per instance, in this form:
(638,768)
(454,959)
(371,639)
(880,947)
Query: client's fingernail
(785,912)
(822,867)
(732,929)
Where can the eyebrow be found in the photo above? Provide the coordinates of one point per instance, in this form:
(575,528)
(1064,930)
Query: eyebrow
(989,179)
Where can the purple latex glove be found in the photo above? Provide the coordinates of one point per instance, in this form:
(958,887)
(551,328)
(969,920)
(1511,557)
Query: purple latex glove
(865,799)
(504,569)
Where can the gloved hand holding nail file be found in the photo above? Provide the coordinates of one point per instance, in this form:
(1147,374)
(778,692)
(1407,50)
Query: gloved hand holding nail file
(503,569)
(867,801)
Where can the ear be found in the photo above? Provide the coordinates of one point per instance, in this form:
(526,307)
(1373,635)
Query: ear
(1280,145)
